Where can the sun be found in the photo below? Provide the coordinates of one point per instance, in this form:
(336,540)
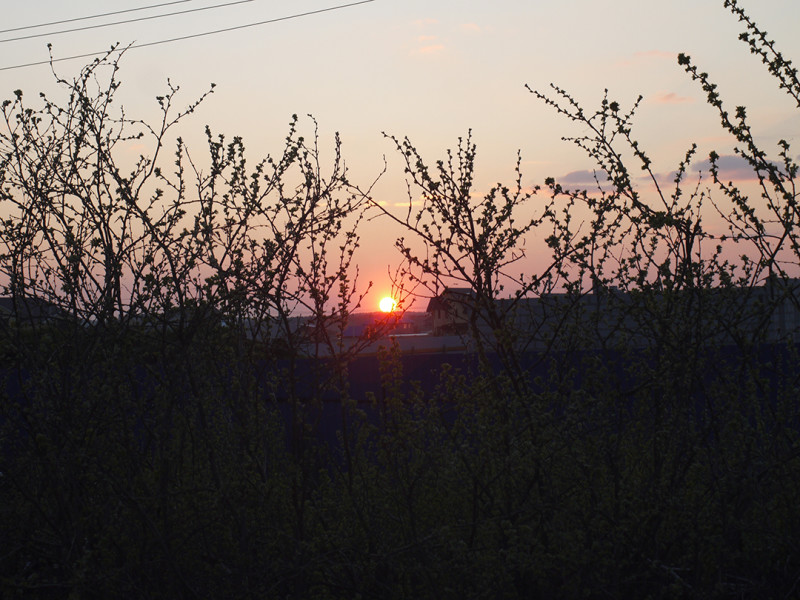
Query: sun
(388,304)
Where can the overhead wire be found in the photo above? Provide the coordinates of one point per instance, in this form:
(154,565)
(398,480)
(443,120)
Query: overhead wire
(98,16)
(191,36)
(124,22)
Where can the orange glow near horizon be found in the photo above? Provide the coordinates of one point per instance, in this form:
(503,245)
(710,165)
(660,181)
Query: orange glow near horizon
(387,304)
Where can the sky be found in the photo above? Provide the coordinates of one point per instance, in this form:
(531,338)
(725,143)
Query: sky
(431,70)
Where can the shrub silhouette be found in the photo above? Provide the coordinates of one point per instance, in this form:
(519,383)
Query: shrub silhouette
(164,409)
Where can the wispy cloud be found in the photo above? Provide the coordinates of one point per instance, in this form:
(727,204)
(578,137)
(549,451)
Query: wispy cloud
(731,167)
(431,49)
(663,179)
(671,98)
(420,201)
(592,178)
(427,43)
(470,27)
(580,178)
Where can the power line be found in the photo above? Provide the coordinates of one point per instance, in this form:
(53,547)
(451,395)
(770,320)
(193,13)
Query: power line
(123,22)
(194,35)
(86,18)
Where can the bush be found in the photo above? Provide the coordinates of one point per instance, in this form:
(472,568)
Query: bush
(164,413)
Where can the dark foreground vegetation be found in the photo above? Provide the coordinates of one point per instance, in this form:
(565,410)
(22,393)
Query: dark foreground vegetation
(161,429)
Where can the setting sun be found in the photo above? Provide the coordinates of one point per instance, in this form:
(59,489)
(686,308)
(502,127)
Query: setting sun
(388,304)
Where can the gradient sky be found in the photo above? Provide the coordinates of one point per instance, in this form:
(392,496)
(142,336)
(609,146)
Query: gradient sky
(431,70)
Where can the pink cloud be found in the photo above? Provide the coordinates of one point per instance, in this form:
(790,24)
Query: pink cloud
(470,27)
(432,49)
(671,98)
(425,22)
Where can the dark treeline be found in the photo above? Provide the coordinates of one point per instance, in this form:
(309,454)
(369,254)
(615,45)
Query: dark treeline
(169,427)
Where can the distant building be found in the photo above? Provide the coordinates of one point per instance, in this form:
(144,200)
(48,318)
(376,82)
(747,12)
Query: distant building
(607,317)
(381,324)
(451,311)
